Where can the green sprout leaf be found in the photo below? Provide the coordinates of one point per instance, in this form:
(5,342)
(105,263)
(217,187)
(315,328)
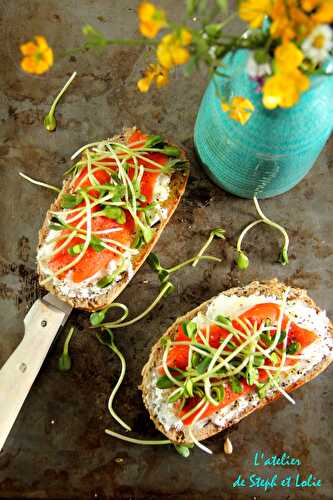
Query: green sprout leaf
(106,280)
(218,232)
(242,261)
(293,348)
(97,317)
(154,140)
(183,449)
(218,392)
(189,328)
(75,249)
(154,262)
(171,151)
(236,386)
(49,121)
(70,200)
(65,362)
(115,213)
(283,257)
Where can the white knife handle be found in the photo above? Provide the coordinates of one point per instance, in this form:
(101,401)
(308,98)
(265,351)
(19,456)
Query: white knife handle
(20,370)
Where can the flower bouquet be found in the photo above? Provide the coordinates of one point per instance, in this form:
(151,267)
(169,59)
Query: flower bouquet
(278,73)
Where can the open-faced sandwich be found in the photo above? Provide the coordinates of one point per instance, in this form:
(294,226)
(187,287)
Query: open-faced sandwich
(110,213)
(232,355)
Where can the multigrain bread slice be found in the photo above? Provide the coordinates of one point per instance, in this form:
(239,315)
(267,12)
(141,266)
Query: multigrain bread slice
(177,187)
(268,289)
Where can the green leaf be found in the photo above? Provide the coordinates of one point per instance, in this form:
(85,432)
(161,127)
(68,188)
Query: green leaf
(283,257)
(293,348)
(70,200)
(224,320)
(147,233)
(56,227)
(163,276)
(171,151)
(262,390)
(274,358)
(189,328)
(183,449)
(252,375)
(218,392)
(138,240)
(96,318)
(261,56)
(218,232)
(106,280)
(115,213)
(154,262)
(188,387)
(64,362)
(213,30)
(165,383)
(154,140)
(175,397)
(222,4)
(242,261)
(96,244)
(191,7)
(236,385)
(258,360)
(203,365)
(195,360)
(175,165)
(75,249)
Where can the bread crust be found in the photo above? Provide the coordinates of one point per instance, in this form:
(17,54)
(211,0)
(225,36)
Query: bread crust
(269,288)
(177,188)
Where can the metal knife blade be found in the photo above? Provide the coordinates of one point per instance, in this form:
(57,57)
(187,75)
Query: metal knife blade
(41,325)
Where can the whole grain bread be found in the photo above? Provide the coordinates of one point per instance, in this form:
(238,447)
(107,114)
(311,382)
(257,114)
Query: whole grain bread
(177,188)
(269,288)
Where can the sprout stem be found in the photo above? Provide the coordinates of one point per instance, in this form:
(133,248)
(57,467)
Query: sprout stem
(39,183)
(136,441)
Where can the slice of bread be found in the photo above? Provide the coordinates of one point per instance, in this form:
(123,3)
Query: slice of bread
(94,302)
(234,412)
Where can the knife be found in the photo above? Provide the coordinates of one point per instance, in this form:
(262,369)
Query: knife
(41,325)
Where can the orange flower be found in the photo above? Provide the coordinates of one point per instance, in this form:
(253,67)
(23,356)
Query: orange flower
(239,109)
(156,73)
(324,13)
(152,20)
(289,21)
(38,56)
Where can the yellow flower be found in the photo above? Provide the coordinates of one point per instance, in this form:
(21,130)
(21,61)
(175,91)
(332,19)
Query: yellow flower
(38,56)
(152,20)
(172,50)
(288,57)
(239,109)
(254,11)
(284,89)
(153,72)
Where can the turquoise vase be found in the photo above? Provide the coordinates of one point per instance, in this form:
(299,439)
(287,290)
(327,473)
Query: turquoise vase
(275,149)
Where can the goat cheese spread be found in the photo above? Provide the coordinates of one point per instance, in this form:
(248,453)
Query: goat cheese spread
(88,288)
(232,307)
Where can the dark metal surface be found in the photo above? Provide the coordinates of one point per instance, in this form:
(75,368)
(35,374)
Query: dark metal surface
(57,448)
